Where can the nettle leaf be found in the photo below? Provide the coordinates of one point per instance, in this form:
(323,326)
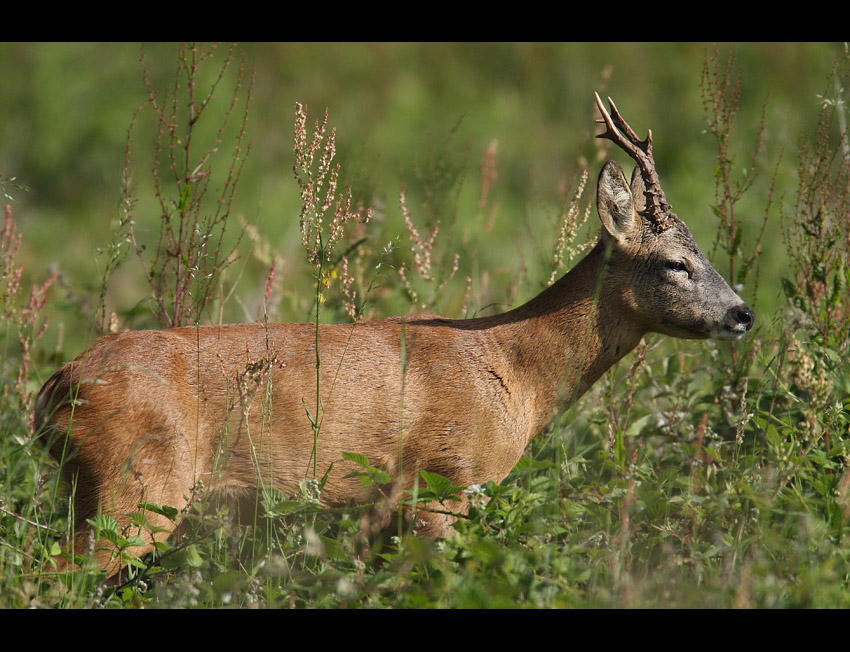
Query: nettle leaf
(436,482)
(357,458)
(132,560)
(441,486)
(137,519)
(381,477)
(112,536)
(103,524)
(167,511)
(135,540)
(333,549)
(188,556)
(371,475)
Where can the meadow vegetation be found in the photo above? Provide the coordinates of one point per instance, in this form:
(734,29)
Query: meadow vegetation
(197,184)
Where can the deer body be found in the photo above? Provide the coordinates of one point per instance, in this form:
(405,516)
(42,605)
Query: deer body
(146,415)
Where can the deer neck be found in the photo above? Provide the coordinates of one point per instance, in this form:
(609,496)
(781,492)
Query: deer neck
(564,339)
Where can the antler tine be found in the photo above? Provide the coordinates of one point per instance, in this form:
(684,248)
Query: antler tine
(639,150)
(622,125)
(611,132)
(658,210)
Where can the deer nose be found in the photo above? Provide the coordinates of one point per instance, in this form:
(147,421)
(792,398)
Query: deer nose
(744,316)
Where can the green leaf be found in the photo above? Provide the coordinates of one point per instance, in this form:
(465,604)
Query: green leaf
(357,458)
(112,536)
(739,237)
(188,556)
(168,511)
(333,549)
(184,197)
(275,504)
(673,366)
(772,435)
(103,523)
(839,285)
(371,476)
(380,476)
(134,540)
(637,425)
(441,486)
(137,519)
(324,479)
(131,560)
(620,448)
(436,482)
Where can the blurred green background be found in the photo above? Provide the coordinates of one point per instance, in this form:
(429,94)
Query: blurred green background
(417,116)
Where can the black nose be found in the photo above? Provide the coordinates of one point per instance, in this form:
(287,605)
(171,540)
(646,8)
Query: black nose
(744,316)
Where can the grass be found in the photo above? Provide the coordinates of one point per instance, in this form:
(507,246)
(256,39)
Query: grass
(694,474)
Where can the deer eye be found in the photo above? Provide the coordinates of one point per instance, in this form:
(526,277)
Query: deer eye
(677,266)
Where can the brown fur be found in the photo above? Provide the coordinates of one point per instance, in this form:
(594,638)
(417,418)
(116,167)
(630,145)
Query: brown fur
(143,416)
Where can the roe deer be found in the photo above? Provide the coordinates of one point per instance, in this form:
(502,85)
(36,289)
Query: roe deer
(143,416)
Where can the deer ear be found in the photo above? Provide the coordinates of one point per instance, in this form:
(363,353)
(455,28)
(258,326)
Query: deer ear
(638,188)
(616,205)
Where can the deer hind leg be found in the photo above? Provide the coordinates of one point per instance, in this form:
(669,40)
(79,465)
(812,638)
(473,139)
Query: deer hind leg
(158,469)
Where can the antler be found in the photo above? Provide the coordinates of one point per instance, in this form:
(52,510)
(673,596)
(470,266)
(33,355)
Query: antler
(657,209)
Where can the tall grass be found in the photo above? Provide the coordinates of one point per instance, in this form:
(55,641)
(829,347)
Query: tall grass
(693,474)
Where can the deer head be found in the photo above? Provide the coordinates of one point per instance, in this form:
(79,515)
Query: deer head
(671,286)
